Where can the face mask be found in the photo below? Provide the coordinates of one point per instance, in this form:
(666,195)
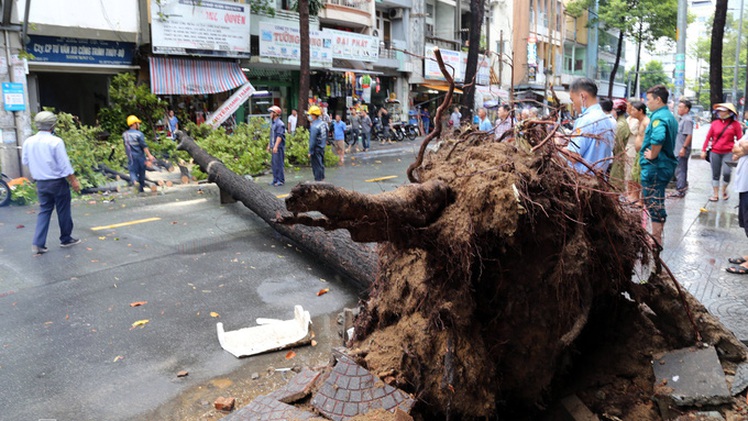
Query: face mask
(584,106)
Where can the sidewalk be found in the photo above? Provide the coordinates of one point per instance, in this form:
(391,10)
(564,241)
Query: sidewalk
(698,244)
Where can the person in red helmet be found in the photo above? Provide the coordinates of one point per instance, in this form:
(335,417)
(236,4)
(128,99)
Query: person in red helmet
(617,170)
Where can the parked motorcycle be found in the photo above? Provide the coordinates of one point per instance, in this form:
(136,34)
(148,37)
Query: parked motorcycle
(4,191)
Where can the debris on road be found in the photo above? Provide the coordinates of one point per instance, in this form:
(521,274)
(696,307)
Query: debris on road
(224,404)
(270,336)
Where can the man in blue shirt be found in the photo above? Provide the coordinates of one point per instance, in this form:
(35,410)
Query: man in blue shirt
(317,143)
(48,162)
(338,136)
(136,150)
(484,124)
(658,159)
(173,122)
(277,146)
(593,135)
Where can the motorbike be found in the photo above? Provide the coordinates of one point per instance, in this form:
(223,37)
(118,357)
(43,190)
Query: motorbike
(4,191)
(412,130)
(401,130)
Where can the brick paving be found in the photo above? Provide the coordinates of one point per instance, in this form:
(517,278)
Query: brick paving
(351,390)
(698,244)
(265,408)
(299,387)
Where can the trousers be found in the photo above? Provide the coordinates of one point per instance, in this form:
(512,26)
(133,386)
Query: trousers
(318,164)
(53,194)
(277,163)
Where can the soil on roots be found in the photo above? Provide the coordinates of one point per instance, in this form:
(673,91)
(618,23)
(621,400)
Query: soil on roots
(480,318)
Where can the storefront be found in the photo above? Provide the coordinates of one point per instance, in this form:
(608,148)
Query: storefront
(215,36)
(73,74)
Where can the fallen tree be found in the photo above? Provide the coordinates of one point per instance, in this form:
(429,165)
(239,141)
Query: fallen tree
(333,248)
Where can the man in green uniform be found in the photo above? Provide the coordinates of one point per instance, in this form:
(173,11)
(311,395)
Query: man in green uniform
(658,160)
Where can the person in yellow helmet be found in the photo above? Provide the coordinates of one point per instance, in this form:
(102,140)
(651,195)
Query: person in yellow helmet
(317,142)
(137,151)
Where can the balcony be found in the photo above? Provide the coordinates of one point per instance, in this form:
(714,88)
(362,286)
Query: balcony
(388,57)
(355,14)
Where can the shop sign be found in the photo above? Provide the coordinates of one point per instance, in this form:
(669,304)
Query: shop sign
(352,46)
(230,106)
(80,51)
(200,27)
(532,50)
(281,41)
(451,58)
(13,96)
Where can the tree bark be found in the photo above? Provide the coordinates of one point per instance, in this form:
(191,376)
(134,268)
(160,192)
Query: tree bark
(715,64)
(468,91)
(335,248)
(613,72)
(304,62)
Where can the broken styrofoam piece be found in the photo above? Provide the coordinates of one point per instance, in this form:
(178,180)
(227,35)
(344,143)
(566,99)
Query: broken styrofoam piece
(270,336)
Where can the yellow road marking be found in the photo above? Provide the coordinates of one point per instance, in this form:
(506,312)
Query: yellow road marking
(282,196)
(124,224)
(387,177)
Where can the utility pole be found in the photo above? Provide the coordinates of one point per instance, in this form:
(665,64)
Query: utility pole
(737,59)
(592,45)
(680,52)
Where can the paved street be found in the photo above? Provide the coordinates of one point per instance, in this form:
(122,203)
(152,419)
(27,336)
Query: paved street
(68,351)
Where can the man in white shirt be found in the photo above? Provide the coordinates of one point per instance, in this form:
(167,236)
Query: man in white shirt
(292,120)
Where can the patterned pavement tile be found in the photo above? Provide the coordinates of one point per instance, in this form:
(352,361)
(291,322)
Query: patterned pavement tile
(265,408)
(351,390)
(297,388)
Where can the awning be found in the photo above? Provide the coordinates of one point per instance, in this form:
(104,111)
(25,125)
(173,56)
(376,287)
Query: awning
(437,87)
(178,76)
(563,97)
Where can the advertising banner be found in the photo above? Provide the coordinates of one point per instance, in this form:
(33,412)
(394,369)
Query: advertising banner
(230,106)
(200,27)
(352,46)
(283,40)
(80,51)
(451,58)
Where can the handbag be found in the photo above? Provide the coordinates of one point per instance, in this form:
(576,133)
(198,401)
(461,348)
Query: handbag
(709,146)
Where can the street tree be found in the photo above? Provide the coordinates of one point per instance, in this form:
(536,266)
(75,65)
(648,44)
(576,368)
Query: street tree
(477,10)
(305,8)
(654,74)
(715,54)
(646,21)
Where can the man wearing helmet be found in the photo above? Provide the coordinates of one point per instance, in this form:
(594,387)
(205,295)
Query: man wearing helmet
(277,146)
(136,150)
(47,159)
(317,143)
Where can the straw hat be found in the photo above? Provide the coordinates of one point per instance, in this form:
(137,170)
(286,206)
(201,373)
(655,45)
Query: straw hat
(725,106)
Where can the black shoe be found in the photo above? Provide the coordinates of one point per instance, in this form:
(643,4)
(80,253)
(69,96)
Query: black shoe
(71,242)
(39,250)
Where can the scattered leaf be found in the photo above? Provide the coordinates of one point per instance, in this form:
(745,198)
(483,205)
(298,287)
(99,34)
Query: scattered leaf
(174,222)
(102,238)
(182,373)
(314,343)
(91,202)
(214,314)
(89,248)
(67,317)
(20,226)
(118,357)
(703,210)
(138,303)
(323,291)
(290,354)
(140,323)
(94,261)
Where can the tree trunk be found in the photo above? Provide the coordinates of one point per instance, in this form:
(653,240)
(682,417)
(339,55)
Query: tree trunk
(638,60)
(468,91)
(336,249)
(304,65)
(613,72)
(715,62)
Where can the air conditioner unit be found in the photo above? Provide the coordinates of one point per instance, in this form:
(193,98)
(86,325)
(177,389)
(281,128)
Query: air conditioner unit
(375,33)
(396,13)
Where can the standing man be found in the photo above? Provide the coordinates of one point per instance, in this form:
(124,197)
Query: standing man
(484,124)
(594,131)
(683,146)
(173,124)
(277,146)
(48,161)
(425,120)
(292,121)
(366,125)
(455,118)
(504,122)
(356,130)
(338,137)
(317,142)
(137,151)
(657,160)
(384,119)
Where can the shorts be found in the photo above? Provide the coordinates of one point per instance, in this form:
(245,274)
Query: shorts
(339,146)
(654,181)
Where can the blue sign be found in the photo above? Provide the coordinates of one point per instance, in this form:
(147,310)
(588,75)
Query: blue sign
(80,51)
(13,97)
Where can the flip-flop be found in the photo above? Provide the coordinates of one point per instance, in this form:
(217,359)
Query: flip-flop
(714,199)
(738,270)
(725,196)
(736,260)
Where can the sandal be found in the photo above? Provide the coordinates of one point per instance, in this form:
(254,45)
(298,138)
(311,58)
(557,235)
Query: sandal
(725,196)
(736,260)
(738,270)
(714,199)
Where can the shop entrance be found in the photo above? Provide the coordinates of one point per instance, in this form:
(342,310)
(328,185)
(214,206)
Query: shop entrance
(79,94)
